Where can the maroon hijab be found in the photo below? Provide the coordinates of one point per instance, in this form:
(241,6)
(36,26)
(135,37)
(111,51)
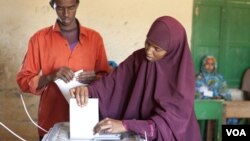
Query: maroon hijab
(154,97)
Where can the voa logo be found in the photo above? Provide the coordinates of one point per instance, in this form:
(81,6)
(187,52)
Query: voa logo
(236,132)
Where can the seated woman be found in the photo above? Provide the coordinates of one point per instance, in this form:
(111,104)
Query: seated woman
(152,92)
(209,83)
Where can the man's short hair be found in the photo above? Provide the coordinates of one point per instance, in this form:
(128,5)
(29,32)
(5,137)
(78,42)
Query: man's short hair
(52,2)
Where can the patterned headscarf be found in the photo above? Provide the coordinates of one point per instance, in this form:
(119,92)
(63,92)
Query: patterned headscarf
(211,82)
(204,60)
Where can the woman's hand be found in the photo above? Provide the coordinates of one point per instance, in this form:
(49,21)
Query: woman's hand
(81,93)
(86,77)
(109,125)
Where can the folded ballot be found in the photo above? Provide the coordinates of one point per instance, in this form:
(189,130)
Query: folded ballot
(65,87)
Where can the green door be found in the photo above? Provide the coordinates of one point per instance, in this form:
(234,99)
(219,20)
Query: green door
(235,58)
(222,28)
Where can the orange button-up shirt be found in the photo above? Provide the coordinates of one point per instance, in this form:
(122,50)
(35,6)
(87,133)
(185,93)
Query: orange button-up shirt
(47,51)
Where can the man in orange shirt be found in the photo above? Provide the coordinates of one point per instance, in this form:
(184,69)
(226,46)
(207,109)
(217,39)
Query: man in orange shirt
(56,52)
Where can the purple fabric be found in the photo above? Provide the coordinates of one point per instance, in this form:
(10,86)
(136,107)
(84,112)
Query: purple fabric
(73,45)
(158,95)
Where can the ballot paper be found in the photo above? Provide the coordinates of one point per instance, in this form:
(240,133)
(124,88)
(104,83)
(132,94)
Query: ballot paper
(206,92)
(65,87)
(83,121)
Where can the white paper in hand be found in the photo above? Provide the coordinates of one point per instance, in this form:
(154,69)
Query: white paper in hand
(206,92)
(65,87)
(83,119)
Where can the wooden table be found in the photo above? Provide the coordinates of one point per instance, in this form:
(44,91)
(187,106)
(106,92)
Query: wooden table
(236,109)
(220,110)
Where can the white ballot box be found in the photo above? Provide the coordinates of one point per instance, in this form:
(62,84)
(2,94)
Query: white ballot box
(61,132)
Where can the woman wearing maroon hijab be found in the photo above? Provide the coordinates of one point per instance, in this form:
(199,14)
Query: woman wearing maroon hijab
(152,91)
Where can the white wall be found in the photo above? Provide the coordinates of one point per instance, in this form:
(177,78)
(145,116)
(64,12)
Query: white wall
(124,24)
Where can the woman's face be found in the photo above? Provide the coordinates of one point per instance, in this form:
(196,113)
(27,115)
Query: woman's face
(209,65)
(154,52)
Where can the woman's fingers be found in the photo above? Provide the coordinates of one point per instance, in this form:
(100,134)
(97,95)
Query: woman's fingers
(72,92)
(81,95)
(103,128)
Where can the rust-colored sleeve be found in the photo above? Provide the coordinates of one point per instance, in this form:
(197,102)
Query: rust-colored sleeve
(28,76)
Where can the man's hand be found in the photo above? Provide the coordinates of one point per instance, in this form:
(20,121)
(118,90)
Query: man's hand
(64,73)
(86,77)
